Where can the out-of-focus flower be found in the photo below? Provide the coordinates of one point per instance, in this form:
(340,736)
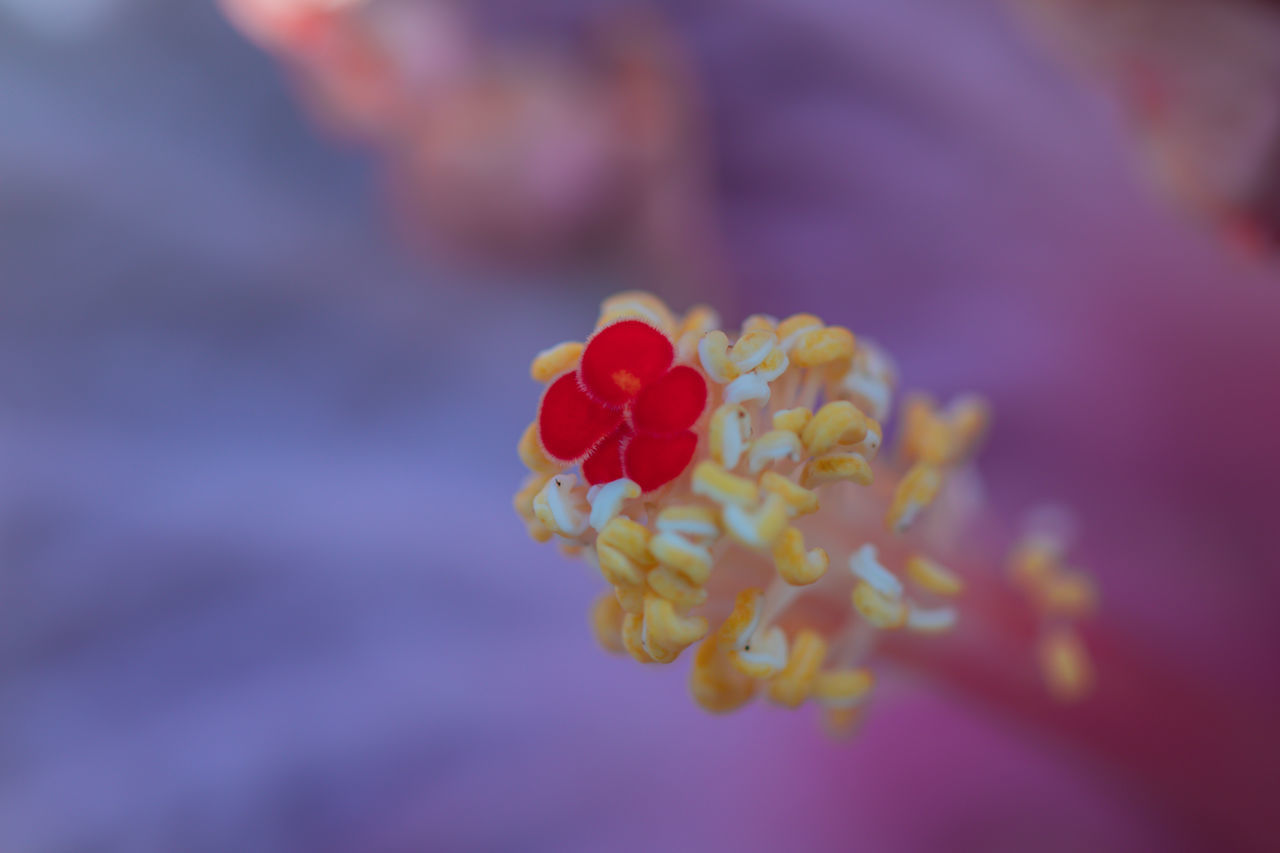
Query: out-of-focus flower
(1198,82)
(517,147)
(787,477)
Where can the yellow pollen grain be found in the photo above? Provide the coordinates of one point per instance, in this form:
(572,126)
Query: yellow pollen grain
(878,609)
(1065,664)
(823,346)
(606,623)
(773,365)
(792,420)
(690,520)
(532,454)
(838,422)
(617,568)
(713,481)
(800,501)
(836,467)
(914,493)
(774,446)
(792,686)
(758,528)
(676,588)
(796,566)
(550,363)
(630,598)
(933,577)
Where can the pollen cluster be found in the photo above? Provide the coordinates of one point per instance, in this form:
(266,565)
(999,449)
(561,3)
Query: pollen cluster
(764,525)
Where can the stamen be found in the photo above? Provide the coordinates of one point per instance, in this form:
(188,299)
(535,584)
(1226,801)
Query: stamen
(606,501)
(551,362)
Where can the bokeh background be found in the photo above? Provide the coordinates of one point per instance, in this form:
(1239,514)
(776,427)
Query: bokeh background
(261,588)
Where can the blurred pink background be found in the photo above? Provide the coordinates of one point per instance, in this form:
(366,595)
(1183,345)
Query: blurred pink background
(261,588)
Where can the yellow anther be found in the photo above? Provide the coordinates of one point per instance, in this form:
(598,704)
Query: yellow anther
(823,346)
(835,467)
(800,501)
(774,446)
(629,537)
(1034,561)
(713,353)
(916,491)
(758,528)
(633,636)
(1070,594)
(715,684)
(1065,664)
(791,329)
(752,349)
(742,621)
(532,454)
(676,588)
(689,559)
(699,522)
(713,481)
(606,622)
(696,323)
(729,434)
(843,688)
(638,304)
(619,569)
(523,503)
(933,577)
(835,423)
(942,438)
(550,363)
(880,610)
(758,322)
(774,365)
(792,420)
(792,686)
(796,566)
(630,598)
(969,418)
(668,629)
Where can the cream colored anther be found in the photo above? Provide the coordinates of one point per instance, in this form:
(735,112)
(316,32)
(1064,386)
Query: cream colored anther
(772,447)
(561,507)
(796,566)
(606,623)
(747,388)
(878,609)
(752,349)
(729,434)
(774,365)
(792,420)
(758,528)
(713,353)
(836,423)
(697,323)
(931,620)
(553,361)
(639,305)
(606,500)
(715,683)
(691,521)
(834,468)
(933,577)
(761,655)
(790,330)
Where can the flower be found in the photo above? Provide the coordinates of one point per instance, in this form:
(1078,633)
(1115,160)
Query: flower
(625,411)
(777,521)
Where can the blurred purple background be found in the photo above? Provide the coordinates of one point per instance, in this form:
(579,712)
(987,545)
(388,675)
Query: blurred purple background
(261,588)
